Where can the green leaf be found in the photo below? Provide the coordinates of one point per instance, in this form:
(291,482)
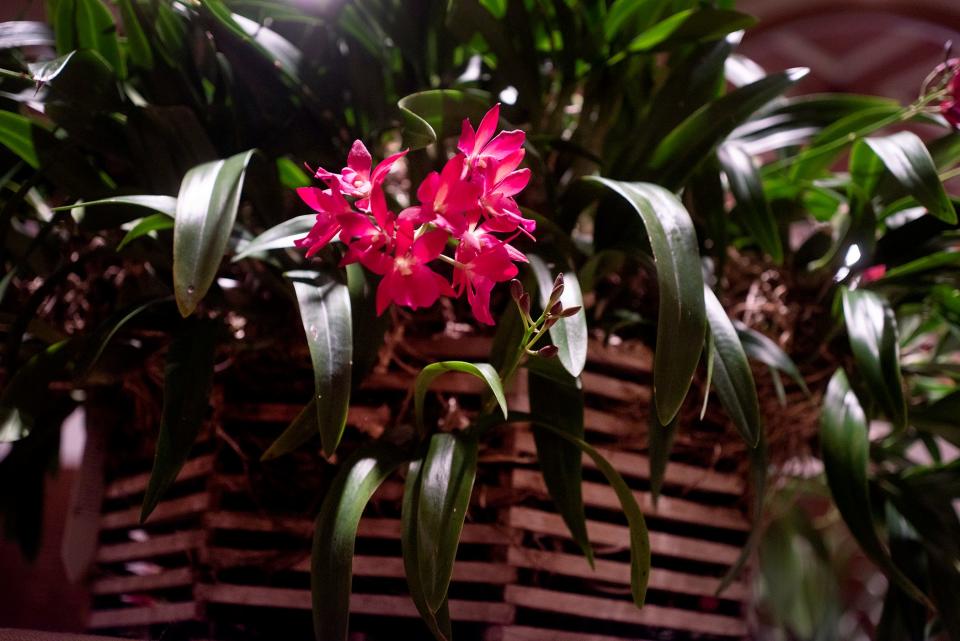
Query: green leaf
(680,151)
(16,134)
(907,158)
(326,314)
(301,429)
(636,13)
(206,210)
(732,377)
(446,482)
(141,55)
(433,115)
(281,236)
(166,205)
(927,263)
(290,174)
(26,396)
(639,537)
(484,371)
(760,348)
(568,334)
(556,398)
(155,222)
(187,380)
(335,534)
(368,328)
(872,329)
(758,476)
(746,186)
(681,322)
(438,622)
(845,447)
(95,29)
(691,25)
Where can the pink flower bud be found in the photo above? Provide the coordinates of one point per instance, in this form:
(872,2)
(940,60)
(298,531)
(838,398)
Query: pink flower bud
(516,289)
(548,351)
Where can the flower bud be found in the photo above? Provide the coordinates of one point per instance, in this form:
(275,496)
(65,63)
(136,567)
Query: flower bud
(556,309)
(524,303)
(557,291)
(551,321)
(547,351)
(516,289)
(570,311)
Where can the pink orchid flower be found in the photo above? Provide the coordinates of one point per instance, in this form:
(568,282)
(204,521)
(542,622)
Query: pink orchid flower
(500,209)
(481,147)
(950,106)
(407,280)
(359,177)
(328,204)
(480,267)
(445,198)
(368,241)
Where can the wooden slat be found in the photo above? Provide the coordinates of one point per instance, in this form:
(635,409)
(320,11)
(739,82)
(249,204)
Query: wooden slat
(138,483)
(619,535)
(158,546)
(165,511)
(145,583)
(383,605)
(159,613)
(616,572)
(636,465)
(623,611)
(373,566)
(369,527)
(359,415)
(614,388)
(598,495)
(527,633)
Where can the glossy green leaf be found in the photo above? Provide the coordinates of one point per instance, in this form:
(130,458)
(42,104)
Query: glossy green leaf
(335,534)
(16,134)
(568,334)
(688,26)
(556,398)
(845,448)
(446,483)
(759,462)
(437,622)
(761,348)
(150,224)
(927,263)
(639,537)
(433,115)
(301,429)
(206,210)
(732,378)
(680,151)
(681,322)
(95,29)
(105,333)
(484,371)
(25,33)
(291,175)
(166,205)
(281,236)
(368,328)
(187,381)
(754,211)
(907,158)
(635,13)
(141,55)
(872,329)
(326,314)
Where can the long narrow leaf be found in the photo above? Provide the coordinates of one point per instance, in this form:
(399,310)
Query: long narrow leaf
(752,206)
(187,380)
(556,398)
(484,371)
(732,377)
(335,534)
(845,447)
(681,322)
(279,236)
(568,334)
(326,313)
(206,210)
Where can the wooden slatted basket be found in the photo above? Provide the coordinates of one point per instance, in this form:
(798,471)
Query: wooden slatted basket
(223,557)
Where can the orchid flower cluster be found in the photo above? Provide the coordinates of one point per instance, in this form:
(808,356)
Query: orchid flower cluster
(469,204)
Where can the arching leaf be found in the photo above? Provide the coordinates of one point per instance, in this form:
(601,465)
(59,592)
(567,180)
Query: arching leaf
(484,371)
